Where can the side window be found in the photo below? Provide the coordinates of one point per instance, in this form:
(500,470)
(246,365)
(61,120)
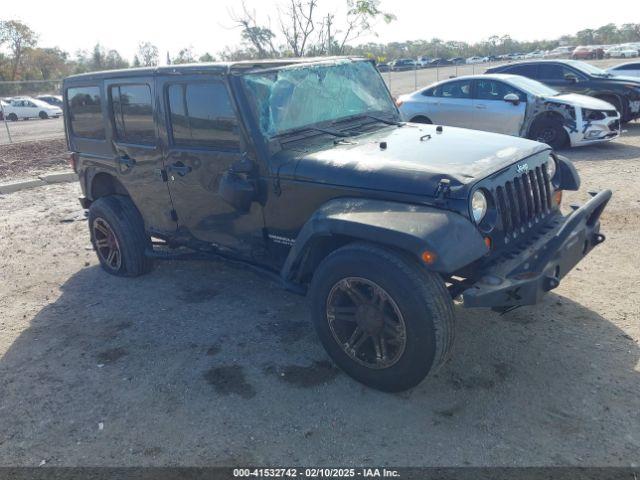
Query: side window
(133,114)
(201,115)
(461,89)
(496,90)
(428,92)
(630,66)
(85,112)
(529,71)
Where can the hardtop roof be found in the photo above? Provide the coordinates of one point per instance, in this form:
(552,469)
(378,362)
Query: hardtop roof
(217,68)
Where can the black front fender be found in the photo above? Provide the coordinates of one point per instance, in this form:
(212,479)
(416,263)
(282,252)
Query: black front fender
(453,239)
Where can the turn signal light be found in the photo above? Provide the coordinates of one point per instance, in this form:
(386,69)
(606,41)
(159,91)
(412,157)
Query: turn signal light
(428,257)
(487,242)
(557,197)
(398,102)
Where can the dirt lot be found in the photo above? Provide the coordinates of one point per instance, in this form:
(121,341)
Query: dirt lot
(203,363)
(31,158)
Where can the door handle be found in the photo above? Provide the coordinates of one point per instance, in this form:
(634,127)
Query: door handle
(179,168)
(481,107)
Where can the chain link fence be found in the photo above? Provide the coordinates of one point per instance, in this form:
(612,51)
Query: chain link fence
(32,128)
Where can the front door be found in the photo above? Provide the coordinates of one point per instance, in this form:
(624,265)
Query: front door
(492,113)
(137,153)
(561,77)
(203,142)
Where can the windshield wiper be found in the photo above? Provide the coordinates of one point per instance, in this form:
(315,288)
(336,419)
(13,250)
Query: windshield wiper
(335,133)
(384,120)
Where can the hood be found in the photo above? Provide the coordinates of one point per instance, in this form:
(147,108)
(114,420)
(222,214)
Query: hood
(582,101)
(415,160)
(623,79)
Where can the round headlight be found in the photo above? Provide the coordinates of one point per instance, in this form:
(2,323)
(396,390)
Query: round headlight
(551,167)
(478,206)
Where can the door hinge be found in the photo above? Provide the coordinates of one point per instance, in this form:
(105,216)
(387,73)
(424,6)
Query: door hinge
(162,173)
(174,215)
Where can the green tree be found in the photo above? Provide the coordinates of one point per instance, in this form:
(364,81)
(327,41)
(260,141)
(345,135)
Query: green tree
(18,37)
(148,54)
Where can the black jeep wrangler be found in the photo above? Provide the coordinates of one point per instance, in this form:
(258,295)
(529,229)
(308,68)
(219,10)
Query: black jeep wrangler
(301,168)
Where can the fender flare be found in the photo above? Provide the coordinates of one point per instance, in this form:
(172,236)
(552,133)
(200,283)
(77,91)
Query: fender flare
(410,228)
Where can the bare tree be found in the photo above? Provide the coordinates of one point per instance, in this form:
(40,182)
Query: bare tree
(19,37)
(360,20)
(148,54)
(300,24)
(259,37)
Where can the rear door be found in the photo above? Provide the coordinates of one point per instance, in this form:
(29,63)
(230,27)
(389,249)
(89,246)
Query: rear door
(136,149)
(203,141)
(492,113)
(451,104)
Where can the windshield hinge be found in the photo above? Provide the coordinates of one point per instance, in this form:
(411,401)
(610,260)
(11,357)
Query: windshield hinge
(444,187)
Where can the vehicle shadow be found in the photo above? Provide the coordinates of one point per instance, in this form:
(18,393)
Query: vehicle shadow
(202,363)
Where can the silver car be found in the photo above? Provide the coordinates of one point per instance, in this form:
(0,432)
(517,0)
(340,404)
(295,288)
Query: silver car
(513,105)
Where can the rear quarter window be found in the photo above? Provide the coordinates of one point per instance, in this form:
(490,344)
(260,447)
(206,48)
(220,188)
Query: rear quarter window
(85,112)
(133,113)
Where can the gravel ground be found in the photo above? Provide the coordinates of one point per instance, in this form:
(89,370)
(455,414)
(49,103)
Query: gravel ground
(31,158)
(202,363)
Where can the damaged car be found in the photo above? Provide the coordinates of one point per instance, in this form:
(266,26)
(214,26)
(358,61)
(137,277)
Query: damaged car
(302,170)
(571,76)
(513,105)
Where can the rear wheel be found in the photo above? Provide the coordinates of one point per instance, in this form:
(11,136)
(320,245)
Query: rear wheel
(43,115)
(549,130)
(384,319)
(118,236)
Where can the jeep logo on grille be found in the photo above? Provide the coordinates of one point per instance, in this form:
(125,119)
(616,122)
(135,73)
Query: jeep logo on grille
(522,167)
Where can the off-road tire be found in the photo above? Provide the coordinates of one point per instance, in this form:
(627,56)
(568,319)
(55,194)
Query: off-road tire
(126,223)
(43,115)
(421,297)
(542,125)
(12,117)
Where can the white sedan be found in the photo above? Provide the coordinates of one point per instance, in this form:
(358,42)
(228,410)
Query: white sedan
(513,105)
(27,107)
(621,52)
(630,69)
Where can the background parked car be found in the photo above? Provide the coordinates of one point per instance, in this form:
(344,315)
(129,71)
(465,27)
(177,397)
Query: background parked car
(513,105)
(620,51)
(475,59)
(55,100)
(402,64)
(560,52)
(580,77)
(630,69)
(457,61)
(587,53)
(423,61)
(27,107)
(439,62)
(3,104)
(383,67)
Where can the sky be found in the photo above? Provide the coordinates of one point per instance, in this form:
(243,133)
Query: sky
(206,25)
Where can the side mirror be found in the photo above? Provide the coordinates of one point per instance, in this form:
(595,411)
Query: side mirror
(571,78)
(512,98)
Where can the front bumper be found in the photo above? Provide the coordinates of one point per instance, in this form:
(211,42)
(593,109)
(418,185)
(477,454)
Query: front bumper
(525,278)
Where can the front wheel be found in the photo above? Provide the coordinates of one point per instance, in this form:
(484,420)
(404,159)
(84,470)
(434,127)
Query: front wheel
(43,115)
(383,318)
(12,117)
(549,130)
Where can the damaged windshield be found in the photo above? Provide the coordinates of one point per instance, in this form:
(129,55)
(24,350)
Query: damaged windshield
(299,97)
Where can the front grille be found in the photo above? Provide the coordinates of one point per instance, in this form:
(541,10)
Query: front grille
(524,200)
